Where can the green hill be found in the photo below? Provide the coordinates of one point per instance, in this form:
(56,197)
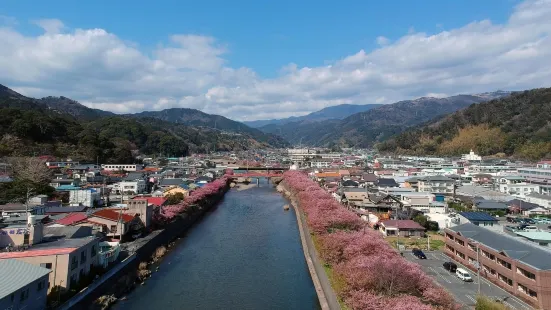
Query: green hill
(517,125)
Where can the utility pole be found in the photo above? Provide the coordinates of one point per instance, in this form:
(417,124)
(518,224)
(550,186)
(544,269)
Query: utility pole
(428,242)
(478,265)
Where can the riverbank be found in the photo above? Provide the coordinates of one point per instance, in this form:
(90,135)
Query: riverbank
(326,294)
(371,274)
(174,222)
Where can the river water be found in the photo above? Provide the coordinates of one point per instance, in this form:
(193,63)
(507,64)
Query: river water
(245,253)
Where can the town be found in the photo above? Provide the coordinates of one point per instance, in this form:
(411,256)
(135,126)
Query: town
(465,212)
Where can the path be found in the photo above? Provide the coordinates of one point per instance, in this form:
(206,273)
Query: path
(330,296)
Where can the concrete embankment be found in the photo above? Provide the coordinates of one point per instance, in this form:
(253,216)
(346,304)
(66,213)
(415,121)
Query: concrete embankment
(123,280)
(326,295)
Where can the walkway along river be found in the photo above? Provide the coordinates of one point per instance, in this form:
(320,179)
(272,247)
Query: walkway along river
(244,254)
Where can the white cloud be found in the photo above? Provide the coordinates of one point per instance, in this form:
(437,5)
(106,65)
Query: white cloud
(382,40)
(104,71)
(50,25)
(7,21)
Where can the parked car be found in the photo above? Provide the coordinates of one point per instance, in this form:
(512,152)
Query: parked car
(450,266)
(418,253)
(530,228)
(529,221)
(463,275)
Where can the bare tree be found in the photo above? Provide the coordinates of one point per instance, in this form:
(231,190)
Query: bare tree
(31,172)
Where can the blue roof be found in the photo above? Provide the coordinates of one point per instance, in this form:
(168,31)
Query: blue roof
(478,216)
(66,188)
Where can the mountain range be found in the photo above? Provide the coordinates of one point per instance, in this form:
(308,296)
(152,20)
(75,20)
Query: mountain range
(63,127)
(376,124)
(333,112)
(517,125)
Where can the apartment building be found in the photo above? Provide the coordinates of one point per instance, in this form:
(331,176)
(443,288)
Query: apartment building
(520,268)
(68,259)
(23,285)
(538,175)
(126,167)
(435,184)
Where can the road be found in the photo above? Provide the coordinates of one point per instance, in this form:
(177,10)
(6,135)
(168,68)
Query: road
(464,292)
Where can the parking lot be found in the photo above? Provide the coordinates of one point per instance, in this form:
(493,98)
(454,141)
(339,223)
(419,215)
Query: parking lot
(464,292)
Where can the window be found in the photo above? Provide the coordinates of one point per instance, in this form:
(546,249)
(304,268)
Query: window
(472,247)
(526,273)
(504,279)
(450,248)
(527,291)
(46,265)
(40,286)
(24,295)
(460,242)
(93,251)
(488,255)
(74,263)
(460,255)
(449,236)
(12,297)
(504,263)
(82,257)
(113,228)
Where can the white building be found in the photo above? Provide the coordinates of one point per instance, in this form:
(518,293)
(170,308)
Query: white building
(542,200)
(85,197)
(435,184)
(133,187)
(320,163)
(471,156)
(125,167)
(519,189)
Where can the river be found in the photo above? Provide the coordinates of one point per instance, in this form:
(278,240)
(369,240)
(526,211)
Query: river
(245,253)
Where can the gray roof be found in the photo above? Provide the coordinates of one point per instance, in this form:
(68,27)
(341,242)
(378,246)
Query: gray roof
(523,252)
(169,182)
(70,232)
(435,178)
(17,274)
(63,243)
(539,196)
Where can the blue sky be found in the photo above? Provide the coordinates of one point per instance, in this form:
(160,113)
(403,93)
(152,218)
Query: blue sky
(267,59)
(264,35)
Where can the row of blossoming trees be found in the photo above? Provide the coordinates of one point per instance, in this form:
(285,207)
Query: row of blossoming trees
(375,276)
(197,197)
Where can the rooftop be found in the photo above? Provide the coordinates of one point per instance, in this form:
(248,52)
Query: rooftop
(17,274)
(402,224)
(113,215)
(520,251)
(478,216)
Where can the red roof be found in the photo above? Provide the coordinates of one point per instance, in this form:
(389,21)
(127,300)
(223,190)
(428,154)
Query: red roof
(113,215)
(403,224)
(31,253)
(72,218)
(157,201)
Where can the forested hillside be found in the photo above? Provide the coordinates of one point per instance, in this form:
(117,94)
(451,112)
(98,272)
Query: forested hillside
(33,127)
(518,125)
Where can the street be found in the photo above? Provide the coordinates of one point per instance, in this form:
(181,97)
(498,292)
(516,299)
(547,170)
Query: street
(464,292)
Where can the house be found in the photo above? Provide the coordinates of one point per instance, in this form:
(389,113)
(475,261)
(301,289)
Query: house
(349,183)
(518,267)
(19,209)
(130,187)
(169,183)
(84,197)
(482,178)
(383,183)
(476,218)
(402,228)
(72,219)
(23,286)
(68,259)
(435,184)
(28,231)
(62,183)
(369,178)
(519,206)
(489,205)
(113,223)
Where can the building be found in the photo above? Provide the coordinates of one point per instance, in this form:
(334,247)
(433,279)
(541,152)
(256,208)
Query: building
(489,205)
(476,218)
(518,267)
(435,184)
(519,189)
(540,176)
(402,228)
(27,232)
(113,223)
(471,157)
(68,259)
(84,197)
(130,187)
(23,285)
(126,167)
(542,200)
